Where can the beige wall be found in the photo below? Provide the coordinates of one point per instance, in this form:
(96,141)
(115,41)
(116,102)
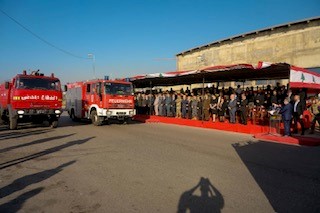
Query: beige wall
(297,44)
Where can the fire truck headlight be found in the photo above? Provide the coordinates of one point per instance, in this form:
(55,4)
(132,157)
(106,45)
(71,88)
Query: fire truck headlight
(130,112)
(109,112)
(20,112)
(57,111)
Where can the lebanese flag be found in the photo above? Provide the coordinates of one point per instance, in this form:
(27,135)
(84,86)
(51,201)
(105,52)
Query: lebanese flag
(303,78)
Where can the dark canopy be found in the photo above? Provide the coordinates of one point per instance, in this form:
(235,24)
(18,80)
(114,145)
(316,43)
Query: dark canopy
(240,72)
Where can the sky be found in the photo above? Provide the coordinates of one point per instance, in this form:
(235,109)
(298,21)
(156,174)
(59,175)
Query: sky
(127,37)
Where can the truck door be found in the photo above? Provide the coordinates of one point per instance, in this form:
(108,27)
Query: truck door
(98,95)
(89,99)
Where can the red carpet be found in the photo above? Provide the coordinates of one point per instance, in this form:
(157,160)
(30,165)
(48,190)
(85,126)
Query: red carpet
(298,140)
(259,131)
(249,129)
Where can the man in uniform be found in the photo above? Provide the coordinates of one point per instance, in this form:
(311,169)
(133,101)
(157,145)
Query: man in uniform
(184,106)
(194,107)
(161,104)
(178,106)
(315,109)
(168,104)
(173,105)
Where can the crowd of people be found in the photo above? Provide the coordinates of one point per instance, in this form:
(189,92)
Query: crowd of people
(233,104)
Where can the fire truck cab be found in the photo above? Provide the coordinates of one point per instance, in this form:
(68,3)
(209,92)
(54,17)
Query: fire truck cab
(30,97)
(100,100)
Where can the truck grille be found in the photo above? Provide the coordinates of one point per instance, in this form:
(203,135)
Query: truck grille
(120,106)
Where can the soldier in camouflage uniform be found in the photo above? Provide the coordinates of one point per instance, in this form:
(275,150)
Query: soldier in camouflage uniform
(206,107)
(178,106)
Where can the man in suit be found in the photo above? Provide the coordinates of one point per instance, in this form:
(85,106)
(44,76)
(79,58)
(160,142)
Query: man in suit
(298,109)
(139,103)
(286,112)
(232,106)
(243,109)
(150,104)
(144,106)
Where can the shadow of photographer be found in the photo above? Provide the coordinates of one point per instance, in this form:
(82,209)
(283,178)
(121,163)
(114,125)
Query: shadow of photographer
(209,200)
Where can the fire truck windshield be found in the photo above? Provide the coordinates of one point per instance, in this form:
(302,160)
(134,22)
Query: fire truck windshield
(118,89)
(37,83)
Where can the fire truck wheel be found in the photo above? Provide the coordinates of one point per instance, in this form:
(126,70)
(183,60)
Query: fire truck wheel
(37,121)
(13,123)
(95,118)
(73,116)
(54,124)
(124,121)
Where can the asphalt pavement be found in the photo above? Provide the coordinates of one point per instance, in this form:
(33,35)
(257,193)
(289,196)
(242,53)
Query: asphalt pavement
(153,167)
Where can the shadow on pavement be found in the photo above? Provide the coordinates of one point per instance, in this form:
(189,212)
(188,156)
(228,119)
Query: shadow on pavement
(25,126)
(288,175)
(209,200)
(44,140)
(19,134)
(23,182)
(43,153)
(16,204)
(66,121)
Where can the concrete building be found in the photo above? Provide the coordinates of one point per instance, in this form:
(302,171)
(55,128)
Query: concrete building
(296,43)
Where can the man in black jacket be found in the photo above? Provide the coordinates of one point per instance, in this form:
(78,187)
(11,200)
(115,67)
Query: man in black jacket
(243,109)
(298,109)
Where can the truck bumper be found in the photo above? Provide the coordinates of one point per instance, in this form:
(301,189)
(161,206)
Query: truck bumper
(29,113)
(118,114)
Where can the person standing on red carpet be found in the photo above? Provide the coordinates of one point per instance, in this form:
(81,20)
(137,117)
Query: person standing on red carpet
(232,106)
(286,112)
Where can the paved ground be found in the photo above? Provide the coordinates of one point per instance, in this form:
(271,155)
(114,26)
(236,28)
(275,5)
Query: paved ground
(152,168)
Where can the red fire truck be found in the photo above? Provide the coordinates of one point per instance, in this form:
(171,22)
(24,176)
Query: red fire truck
(100,100)
(30,98)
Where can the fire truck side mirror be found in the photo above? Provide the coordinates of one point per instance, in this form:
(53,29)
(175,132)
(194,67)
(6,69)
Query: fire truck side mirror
(6,85)
(65,88)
